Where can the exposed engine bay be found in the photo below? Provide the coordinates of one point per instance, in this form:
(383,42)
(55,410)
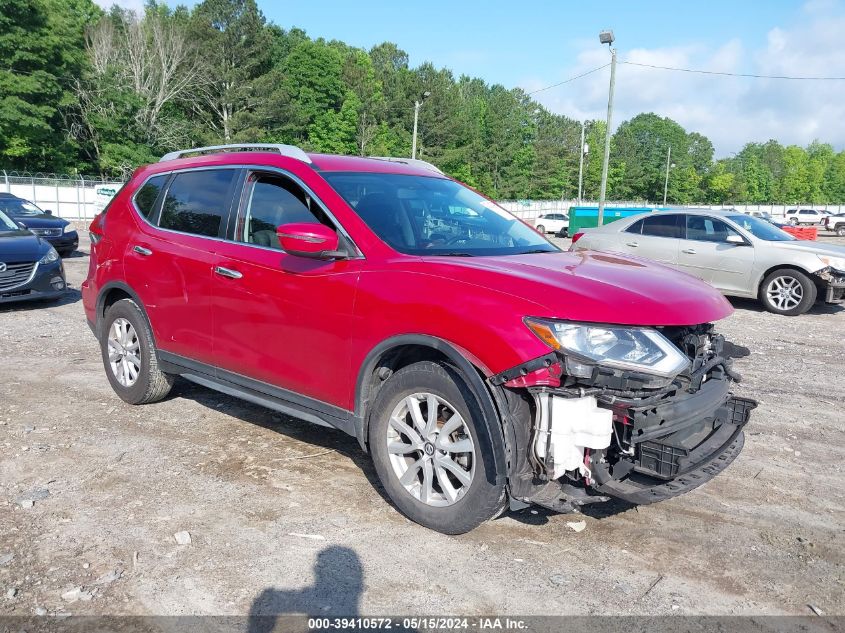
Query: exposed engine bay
(581,432)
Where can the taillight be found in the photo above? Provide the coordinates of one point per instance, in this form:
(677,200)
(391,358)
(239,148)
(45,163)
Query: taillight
(95,230)
(577,236)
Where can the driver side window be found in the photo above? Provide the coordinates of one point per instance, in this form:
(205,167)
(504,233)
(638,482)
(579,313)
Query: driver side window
(706,229)
(271,201)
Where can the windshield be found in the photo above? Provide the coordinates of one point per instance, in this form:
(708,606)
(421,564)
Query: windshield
(421,215)
(7,224)
(761,229)
(16,206)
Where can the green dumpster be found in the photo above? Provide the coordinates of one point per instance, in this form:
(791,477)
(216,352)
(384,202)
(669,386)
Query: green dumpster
(588,217)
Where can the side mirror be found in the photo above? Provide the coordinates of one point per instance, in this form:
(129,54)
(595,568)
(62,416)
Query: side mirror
(22,225)
(48,212)
(735,239)
(309,239)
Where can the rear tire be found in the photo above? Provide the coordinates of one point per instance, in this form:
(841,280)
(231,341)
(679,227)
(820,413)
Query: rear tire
(788,292)
(793,221)
(129,355)
(840,230)
(443,481)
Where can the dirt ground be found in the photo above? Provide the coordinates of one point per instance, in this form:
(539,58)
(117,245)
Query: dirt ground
(284,516)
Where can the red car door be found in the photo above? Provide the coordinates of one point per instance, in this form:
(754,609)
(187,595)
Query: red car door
(169,259)
(278,318)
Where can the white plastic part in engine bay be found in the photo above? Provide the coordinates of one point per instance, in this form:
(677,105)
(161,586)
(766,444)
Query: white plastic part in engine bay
(567,426)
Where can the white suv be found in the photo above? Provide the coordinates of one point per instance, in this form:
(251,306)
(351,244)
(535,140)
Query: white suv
(552,223)
(805,216)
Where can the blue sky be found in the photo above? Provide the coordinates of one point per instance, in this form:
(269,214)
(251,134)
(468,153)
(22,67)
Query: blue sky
(536,44)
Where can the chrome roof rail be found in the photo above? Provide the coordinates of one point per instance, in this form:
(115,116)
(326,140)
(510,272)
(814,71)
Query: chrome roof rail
(415,162)
(291,151)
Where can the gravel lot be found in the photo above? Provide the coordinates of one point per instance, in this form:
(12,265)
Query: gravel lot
(283,516)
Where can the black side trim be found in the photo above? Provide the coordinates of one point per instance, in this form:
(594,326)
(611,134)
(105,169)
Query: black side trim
(260,393)
(467,369)
(101,299)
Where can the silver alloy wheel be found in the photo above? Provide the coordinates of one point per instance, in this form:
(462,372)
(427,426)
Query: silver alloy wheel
(785,292)
(431,450)
(124,352)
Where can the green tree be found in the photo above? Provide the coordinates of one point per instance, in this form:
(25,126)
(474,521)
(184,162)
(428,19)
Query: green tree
(42,48)
(237,47)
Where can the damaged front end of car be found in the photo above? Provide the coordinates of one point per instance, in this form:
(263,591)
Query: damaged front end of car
(636,413)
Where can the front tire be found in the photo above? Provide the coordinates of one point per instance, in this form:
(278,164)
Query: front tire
(793,221)
(788,292)
(129,356)
(541,229)
(433,449)
(840,230)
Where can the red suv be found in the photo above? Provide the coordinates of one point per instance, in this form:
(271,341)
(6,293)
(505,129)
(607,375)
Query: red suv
(478,363)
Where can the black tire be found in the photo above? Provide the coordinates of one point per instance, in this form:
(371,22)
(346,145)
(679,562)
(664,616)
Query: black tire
(152,384)
(485,497)
(840,230)
(541,228)
(808,288)
(66,252)
(793,221)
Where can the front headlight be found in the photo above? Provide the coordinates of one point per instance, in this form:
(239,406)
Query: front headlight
(69,228)
(834,262)
(49,257)
(631,348)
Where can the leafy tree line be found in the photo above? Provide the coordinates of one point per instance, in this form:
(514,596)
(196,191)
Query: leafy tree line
(85,90)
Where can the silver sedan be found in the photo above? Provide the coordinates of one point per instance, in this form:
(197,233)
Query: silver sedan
(740,255)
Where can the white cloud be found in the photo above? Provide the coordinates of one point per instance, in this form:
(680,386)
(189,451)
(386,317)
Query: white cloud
(731,111)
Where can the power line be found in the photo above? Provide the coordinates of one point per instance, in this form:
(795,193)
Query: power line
(726,74)
(566,81)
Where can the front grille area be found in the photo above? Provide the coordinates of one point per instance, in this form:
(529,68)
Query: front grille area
(47,232)
(14,293)
(15,274)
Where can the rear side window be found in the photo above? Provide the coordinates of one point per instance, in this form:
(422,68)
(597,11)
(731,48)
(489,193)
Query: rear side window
(706,229)
(197,202)
(661,226)
(146,196)
(636,227)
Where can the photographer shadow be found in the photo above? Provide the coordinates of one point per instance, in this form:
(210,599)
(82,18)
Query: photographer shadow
(336,593)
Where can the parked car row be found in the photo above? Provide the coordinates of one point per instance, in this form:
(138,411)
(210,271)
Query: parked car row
(57,231)
(32,243)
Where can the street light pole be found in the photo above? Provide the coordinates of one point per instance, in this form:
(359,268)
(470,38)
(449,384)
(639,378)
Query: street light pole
(606,37)
(666,182)
(417,105)
(581,166)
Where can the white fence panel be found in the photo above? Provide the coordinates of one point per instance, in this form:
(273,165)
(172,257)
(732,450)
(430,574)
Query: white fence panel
(77,198)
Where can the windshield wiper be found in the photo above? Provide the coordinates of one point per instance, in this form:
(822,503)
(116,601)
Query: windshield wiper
(457,254)
(537,250)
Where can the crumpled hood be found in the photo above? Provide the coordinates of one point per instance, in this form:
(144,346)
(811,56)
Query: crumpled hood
(597,287)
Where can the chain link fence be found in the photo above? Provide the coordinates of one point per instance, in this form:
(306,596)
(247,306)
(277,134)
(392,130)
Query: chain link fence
(70,197)
(82,197)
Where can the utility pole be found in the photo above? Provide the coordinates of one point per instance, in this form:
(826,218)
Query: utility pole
(606,37)
(666,183)
(581,165)
(417,105)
